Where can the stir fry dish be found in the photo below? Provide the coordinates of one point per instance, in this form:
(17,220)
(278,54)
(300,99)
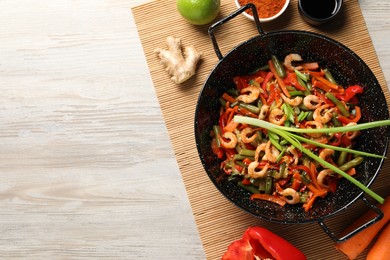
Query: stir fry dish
(294,94)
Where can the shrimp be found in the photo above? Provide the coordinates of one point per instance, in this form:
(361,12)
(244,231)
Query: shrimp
(317,125)
(245,135)
(322,114)
(254,93)
(289,59)
(325,153)
(232,140)
(312,102)
(271,152)
(352,135)
(294,152)
(260,148)
(291,196)
(277,116)
(321,177)
(263,112)
(257,174)
(292,101)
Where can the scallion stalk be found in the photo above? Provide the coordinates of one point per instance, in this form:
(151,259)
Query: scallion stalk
(284,132)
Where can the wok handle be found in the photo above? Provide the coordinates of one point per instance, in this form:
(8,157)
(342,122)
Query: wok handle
(378,217)
(229,17)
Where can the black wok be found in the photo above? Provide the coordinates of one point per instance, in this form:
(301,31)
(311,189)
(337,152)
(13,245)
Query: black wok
(347,68)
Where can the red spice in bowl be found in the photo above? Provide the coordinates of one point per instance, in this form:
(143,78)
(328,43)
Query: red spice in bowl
(266,9)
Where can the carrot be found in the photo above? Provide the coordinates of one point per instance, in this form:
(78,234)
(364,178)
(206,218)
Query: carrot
(328,83)
(279,79)
(358,114)
(269,198)
(317,192)
(357,243)
(381,248)
(351,171)
(229,98)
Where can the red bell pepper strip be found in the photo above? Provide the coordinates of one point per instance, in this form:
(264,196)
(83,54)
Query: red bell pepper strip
(246,182)
(292,77)
(262,243)
(351,119)
(336,139)
(350,92)
(230,127)
(267,78)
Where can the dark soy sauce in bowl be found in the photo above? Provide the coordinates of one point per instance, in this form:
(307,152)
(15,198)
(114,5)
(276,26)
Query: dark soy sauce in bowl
(319,11)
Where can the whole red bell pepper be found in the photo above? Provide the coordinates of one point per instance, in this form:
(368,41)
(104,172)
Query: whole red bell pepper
(262,243)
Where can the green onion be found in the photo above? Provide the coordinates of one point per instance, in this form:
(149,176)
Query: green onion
(336,148)
(302,115)
(241,157)
(296,93)
(254,83)
(249,107)
(329,76)
(289,112)
(274,138)
(294,140)
(247,152)
(352,163)
(268,185)
(217,133)
(281,154)
(278,67)
(338,103)
(350,128)
(304,77)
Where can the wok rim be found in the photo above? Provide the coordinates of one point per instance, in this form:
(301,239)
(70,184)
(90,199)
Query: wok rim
(198,137)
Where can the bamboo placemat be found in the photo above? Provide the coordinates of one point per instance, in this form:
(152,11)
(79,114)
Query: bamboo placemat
(218,221)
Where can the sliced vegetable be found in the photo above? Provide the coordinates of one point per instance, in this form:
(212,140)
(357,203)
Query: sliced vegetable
(278,67)
(381,248)
(340,105)
(293,132)
(293,140)
(269,198)
(328,75)
(279,79)
(357,243)
(260,243)
(350,92)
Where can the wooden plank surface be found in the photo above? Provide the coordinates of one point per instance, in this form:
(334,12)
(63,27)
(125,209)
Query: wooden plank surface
(86,165)
(218,221)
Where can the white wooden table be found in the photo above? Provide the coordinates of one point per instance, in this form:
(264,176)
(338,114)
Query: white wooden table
(86,165)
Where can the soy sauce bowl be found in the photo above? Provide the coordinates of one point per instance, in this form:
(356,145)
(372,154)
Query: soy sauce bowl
(319,11)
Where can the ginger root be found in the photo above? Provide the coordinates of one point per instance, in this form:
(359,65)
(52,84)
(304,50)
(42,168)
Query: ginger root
(180,67)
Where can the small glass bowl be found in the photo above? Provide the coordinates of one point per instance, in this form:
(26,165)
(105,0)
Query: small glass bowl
(250,17)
